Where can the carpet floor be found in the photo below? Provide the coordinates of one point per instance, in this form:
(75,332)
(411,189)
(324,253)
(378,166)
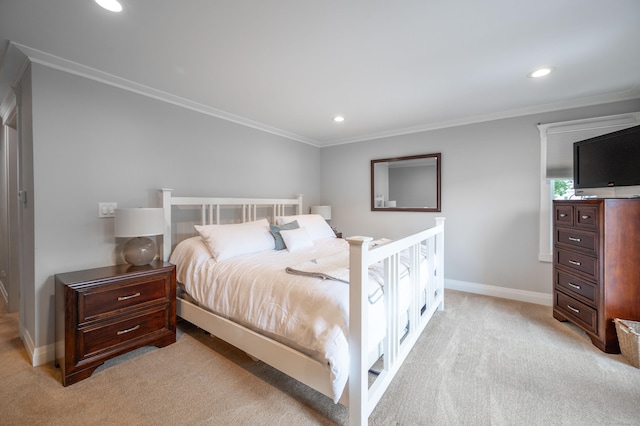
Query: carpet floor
(481,361)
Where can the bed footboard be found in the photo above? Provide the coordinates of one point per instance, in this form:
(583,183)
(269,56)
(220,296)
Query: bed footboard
(426,246)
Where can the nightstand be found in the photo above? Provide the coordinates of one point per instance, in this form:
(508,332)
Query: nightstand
(105,312)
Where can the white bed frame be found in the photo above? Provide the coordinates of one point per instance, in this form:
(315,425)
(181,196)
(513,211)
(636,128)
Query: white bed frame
(358,396)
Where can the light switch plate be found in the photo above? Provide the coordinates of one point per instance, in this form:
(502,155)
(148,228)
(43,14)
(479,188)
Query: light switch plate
(107,209)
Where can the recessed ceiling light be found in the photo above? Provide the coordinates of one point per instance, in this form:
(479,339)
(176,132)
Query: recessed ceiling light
(110,5)
(541,72)
(338,119)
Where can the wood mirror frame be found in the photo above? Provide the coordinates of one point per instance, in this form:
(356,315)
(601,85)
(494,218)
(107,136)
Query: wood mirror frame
(407,184)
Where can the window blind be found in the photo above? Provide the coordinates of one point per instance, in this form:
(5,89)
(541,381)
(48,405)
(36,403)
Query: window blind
(561,136)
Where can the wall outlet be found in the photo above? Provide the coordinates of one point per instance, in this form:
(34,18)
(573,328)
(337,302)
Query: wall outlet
(107,209)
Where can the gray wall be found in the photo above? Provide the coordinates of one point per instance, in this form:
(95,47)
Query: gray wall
(490,194)
(95,143)
(89,142)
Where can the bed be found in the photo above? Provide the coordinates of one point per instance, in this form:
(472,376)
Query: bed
(321,309)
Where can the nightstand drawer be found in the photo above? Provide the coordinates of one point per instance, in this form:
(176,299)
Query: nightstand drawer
(116,297)
(96,339)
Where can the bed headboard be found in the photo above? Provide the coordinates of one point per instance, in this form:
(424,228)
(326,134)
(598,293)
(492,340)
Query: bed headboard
(210,210)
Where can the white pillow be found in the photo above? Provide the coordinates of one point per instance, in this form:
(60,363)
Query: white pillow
(315,224)
(226,241)
(296,239)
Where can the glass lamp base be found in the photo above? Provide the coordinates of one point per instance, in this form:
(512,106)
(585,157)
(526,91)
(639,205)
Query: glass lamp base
(139,251)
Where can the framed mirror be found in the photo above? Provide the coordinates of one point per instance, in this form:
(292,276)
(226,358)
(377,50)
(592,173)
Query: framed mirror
(410,184)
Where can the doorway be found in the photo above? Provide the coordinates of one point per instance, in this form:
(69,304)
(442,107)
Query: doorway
(9,211)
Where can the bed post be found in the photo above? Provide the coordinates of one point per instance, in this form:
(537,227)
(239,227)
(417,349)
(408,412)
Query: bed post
(299,208)
(166,234)
(358,322)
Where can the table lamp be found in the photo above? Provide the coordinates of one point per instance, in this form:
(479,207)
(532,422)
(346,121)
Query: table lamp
(324,211)
(137,224)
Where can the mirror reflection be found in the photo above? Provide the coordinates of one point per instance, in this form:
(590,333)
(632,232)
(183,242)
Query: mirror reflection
(406,183)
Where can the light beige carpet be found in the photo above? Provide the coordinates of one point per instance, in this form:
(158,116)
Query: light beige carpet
(482,361)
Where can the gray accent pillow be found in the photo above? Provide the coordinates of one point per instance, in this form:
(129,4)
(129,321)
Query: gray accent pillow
(275,231)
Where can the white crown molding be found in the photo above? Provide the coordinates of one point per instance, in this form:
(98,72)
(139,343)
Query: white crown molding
(52,61)
(633,93)
(14,65)
(56,62)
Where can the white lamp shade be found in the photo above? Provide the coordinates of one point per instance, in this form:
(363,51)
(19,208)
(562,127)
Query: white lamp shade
(139,222)
(324,211)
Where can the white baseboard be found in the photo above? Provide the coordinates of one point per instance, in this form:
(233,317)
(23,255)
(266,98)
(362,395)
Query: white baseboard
(28,344)
(3,293)
(38,355)
(545,299)
(44,355)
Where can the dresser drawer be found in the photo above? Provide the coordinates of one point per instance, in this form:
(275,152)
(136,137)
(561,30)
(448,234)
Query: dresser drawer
(577,239)
(106,299)
(563,215)
(577,262)
(111,335)
(586,217)
(576,287)
(577,312)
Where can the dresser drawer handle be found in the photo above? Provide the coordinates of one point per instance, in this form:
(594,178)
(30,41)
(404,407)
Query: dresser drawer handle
(584,216)
(131,296)
(577,311)
(574,239)
(563,215)
(128,330)
(573,262)
(574,286)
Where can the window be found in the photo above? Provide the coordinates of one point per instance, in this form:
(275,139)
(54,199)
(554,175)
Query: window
(562,189)
(556,163)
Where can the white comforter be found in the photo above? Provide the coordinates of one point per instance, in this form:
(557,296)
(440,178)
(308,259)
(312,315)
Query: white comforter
(308,314)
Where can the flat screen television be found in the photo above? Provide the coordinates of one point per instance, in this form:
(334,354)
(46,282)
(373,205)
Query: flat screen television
(608,166)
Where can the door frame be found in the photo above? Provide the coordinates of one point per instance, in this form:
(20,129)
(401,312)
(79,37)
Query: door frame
(11,228)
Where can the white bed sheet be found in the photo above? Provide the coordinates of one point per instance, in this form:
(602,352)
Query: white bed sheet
(307,314)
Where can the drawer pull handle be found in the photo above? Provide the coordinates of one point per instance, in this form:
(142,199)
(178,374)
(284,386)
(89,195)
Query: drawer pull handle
(584,216)
(563,215)
(131,296)
(574,286)
(573,262)
(574,239)
(128,330)
(577,311)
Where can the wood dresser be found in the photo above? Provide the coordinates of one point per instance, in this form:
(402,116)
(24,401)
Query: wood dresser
(596,265)
(105,312)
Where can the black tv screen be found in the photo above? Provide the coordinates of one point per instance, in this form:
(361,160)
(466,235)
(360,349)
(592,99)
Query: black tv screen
(608,160)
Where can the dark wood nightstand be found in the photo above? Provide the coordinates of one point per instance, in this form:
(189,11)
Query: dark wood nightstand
(105,312)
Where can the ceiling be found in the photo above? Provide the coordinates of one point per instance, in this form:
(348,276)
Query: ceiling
(290,66)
